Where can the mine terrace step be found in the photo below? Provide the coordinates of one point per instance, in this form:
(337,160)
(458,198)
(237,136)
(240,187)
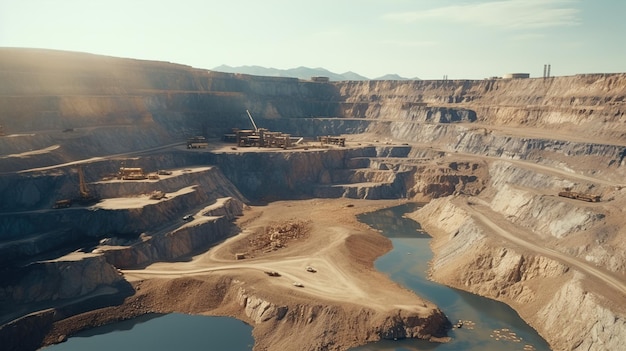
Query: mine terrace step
(356,185)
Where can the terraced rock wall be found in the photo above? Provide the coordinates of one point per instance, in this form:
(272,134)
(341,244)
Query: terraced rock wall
(573,318)
(506,146)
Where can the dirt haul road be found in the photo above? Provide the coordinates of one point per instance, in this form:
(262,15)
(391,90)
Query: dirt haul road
(515,236)
(332,227)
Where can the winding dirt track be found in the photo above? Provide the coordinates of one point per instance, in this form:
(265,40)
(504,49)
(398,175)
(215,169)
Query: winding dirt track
(337,278)
(507,231)
(331,281)
(94,159)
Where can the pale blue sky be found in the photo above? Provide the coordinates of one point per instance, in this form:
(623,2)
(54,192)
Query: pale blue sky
(464,39)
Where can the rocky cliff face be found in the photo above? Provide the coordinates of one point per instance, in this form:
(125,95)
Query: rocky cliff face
(595,326)
(325,322)
(176,243)
(367,172)
(58,279)
(538,137)
(503,148)
(69,90)
(37,230)
(523,196)
(508,118)
(573,103)
(131,230)
(520,278)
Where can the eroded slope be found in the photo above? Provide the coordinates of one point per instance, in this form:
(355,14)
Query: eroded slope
(499,150)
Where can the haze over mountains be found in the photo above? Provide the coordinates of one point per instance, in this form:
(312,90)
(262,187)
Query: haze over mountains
(303,73)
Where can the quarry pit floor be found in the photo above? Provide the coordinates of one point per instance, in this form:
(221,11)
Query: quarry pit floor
(340,250)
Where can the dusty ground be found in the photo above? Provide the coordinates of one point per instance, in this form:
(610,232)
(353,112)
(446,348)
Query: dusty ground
(330,239)
(321,233)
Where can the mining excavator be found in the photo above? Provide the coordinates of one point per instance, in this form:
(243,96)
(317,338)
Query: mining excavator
(84,192)
(85,198)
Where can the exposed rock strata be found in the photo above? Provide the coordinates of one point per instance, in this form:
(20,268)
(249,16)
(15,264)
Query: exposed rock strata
(276,326)
(324,322)
(511,143)
(595,326)
(57,280)
(527,199)
(521,279)
(178,243)
(384,172)
(37,231)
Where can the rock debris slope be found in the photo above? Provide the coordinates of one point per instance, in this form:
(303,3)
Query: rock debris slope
(491,156)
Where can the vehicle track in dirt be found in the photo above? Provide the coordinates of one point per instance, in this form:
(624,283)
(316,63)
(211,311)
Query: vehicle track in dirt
(508,231)
(336,279)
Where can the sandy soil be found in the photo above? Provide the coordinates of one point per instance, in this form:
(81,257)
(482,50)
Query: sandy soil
(348,294)
(334,241)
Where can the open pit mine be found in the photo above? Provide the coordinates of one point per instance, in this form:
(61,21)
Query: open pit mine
(130,187)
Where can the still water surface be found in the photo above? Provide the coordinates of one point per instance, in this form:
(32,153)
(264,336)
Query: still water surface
(171,332)
(407,264)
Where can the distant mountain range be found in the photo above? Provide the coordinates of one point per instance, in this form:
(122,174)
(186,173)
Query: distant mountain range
(302,73)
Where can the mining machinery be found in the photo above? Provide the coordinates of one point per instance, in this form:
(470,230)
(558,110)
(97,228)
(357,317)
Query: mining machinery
(580,196)
(197,142)
(85,196)
(260,137)
(131,173)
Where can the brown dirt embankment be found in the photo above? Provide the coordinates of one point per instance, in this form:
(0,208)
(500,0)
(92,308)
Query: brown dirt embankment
(345,303)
